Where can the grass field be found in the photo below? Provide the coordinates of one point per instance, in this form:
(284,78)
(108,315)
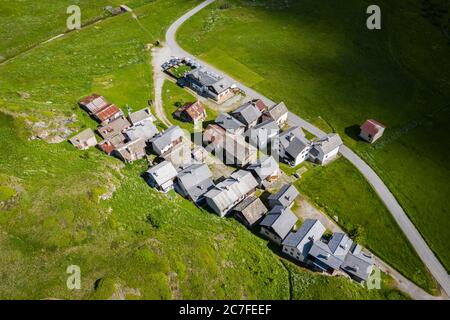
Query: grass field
(136,244)
(320,59)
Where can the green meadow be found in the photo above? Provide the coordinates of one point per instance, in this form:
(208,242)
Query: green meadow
(60,206)
(322,61)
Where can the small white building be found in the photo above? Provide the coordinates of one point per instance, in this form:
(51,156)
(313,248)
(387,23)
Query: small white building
(84,140)
(326,149)
(371,130)
(293,147)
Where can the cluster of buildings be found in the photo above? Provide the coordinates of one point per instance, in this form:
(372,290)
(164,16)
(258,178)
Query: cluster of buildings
(235,138)
(126,137)
(204,82)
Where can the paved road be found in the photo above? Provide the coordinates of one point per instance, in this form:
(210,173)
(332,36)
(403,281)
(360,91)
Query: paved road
(424,252)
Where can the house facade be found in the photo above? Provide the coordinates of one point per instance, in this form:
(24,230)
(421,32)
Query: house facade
(164,142)
(209,85)
(278,113)
(293,147)
(248,114)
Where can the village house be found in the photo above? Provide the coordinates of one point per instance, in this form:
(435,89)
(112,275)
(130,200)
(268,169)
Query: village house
(358,264)
(293,147)
(326,149)
(250,211)
(209,85)
(194,181)
(131,151)
(285,197)
(228,193)
(298,244)
(277,113)
(109,146)
(262,134)
(230,124)
(93,103)
(142,130)
(329,256)
(213,134)
(234,151)
(161,176)
(141,116)
(191,112)
(277,224)
(248,114)
(84,140)
(164,142)
(259,104)
(371,130)
(199,154)
(266,170)
(107,114)
(114,128)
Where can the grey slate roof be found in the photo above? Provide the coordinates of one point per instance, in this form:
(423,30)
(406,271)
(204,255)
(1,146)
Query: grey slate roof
(297,145)
(84,139)
(358,263)
(144,129)
(280,220)
(229,123)
(114,127)
(304,237)
(165,138)
(285,196)
(329,143)
(247,113)
(204,78)
(261,134)
(162,172)
(141,115)
(251,209)
(231,189)
(277,111)
(288,135)
(264,167)
(196,179)
(331,254)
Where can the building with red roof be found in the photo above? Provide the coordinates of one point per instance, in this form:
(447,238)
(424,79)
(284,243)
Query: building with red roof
(108,113)
(191,112)
(371,130)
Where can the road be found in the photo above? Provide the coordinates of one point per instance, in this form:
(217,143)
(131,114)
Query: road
(413,235)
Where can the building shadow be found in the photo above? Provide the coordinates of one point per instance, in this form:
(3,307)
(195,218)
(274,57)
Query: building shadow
(353,132)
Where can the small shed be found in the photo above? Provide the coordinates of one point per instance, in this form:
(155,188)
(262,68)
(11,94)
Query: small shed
(371,130)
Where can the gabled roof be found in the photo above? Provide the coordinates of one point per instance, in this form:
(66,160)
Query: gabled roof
(372,127)
(232,189)
(331,254)
(247,113)
(263,132)
(220,86)
(141,115)
(132,150)
(288,135)
(264,167)
(280,220)
(229,123)
(329,143)
(162,172)
(310,231)
(194,110)
(213,81)
(252,209)
(259,104)
(214,133)
(93,103)
(358,263)
(144,129)
(165,138)
(82,138)
(114,127)
(277,111)
(107,112)
(193,175)
(297,145)
(285,196)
